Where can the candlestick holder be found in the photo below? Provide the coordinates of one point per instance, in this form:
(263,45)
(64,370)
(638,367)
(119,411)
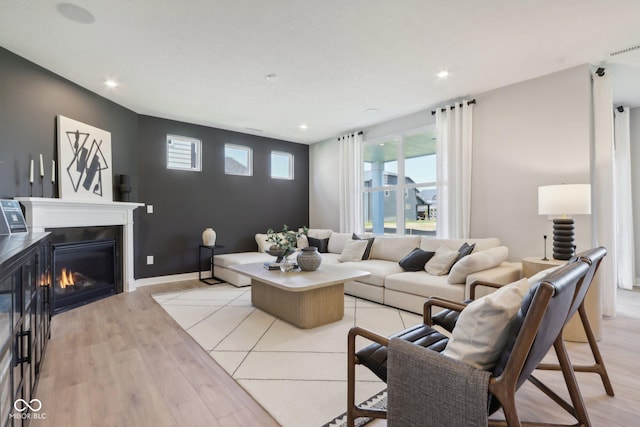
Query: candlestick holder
(545,248)
(31,189)
(42,185)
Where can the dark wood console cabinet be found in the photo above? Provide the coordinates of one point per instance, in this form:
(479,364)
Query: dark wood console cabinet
(25,316)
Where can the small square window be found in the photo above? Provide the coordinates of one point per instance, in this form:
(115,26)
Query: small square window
(281,165)
(184,153)
(238,160)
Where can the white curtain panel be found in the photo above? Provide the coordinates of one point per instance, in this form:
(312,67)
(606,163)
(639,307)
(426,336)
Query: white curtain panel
(603,211)
(350,183)
(623,201)
(453,170)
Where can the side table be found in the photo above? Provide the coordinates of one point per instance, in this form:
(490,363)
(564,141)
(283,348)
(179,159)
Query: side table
(212,280)
(573,331)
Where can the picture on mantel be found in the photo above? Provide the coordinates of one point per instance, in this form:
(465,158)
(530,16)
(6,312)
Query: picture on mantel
(84,161)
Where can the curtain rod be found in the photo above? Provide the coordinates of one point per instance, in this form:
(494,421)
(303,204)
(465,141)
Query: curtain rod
(357,133)
(473,101)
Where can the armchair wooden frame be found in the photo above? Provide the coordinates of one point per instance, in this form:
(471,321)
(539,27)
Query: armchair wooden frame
(517,368)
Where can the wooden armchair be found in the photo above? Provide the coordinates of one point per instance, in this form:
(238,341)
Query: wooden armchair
(535,328)
(593,257)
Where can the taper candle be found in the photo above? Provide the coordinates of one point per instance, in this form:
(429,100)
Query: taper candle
(31,172)
(53,171)
(41,166)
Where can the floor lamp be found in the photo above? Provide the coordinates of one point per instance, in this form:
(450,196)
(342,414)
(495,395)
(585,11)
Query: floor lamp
(560,202)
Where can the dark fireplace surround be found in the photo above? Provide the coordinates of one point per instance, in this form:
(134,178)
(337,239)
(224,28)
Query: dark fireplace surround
(86,265)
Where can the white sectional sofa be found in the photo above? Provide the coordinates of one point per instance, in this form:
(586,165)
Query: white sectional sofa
(388,283)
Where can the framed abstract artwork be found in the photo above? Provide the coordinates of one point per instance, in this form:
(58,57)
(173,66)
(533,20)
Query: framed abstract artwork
(84,161)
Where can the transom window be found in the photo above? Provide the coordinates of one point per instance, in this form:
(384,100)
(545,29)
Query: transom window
(281,165)
(238,160)
(399,183)
(184,153)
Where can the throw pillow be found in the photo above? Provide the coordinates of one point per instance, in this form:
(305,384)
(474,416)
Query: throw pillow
(415,260)
(441,262)
(321,244)
(465,250)
(484,326)
(353,250)
(369,240)
(477,261)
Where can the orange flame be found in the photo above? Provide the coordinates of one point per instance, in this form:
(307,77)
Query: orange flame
(66,279)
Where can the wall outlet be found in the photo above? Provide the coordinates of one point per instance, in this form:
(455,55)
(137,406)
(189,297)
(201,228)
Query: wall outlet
(149,208)
(149,259)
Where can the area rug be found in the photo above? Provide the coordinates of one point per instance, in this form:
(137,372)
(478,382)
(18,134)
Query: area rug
(297,375)
(379,401)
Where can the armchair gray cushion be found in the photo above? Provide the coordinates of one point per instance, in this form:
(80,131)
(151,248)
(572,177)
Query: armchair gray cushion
(428,389)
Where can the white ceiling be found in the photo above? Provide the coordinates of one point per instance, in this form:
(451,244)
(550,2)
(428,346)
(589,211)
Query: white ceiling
(205,61)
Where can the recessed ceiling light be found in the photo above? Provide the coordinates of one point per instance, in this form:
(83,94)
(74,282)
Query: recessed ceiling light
(303,126)
(371,111)
(442,74)
(76,13)
(271,77)
(111,83)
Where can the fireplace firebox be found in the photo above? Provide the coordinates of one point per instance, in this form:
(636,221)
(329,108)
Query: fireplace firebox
(83,272)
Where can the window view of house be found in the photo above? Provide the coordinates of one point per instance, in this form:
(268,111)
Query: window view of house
(399,184)
(238,160)
(184,153)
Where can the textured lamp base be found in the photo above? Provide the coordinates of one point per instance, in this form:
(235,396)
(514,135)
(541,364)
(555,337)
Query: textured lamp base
(563,243)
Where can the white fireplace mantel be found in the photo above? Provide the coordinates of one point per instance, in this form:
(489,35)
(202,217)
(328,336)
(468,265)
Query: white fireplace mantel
(44,213)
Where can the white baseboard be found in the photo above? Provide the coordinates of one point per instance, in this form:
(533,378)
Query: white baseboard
(163,279)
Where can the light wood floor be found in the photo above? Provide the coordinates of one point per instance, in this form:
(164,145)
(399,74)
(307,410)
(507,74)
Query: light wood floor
(123,361)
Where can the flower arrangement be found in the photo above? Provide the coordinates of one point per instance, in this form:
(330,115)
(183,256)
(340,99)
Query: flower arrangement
(286,240)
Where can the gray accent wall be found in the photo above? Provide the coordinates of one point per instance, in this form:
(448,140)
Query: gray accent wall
(236,207)
(184,202)
(30,99)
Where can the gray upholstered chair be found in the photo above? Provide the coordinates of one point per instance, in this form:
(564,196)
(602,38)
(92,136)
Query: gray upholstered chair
(423,389)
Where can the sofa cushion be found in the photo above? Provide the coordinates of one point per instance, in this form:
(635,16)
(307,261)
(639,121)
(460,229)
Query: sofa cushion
(319,233)
(261,240)
(337,242)
(378,270)
(369,239)
(353,250)
(431,244)
(227,260)
(465,250)
(424,285)
(415,260)
(321,244)
(441,262)
(393,248)
(483,327)
(330,259)
(477,261)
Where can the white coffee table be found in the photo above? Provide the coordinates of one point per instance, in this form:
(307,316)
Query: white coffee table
(303,298)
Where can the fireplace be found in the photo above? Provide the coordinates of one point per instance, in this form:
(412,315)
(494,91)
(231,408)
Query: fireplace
(57,215)
(83,272)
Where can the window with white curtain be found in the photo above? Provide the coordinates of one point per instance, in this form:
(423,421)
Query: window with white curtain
(399,183)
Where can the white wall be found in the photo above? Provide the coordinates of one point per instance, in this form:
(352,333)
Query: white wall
(324,176)
(525,135)
(634,120)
